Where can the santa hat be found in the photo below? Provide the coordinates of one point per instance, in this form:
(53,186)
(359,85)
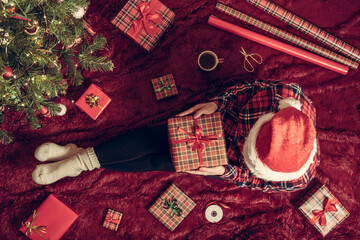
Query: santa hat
(281,146)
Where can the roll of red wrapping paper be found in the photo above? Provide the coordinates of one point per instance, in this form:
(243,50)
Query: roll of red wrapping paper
(275,44)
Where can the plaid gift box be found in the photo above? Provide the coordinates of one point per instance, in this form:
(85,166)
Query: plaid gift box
(164,86)
(112,219)
(322,209)
(144,21)
(93,101)
(197,143)
(50,220)
(172,207)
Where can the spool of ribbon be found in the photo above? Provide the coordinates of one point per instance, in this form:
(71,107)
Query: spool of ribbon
(92,100)
(31,227)
(148,16)
(110,219)
(213,212)
(319,215)
(197,140)
(164,87)
(172,204)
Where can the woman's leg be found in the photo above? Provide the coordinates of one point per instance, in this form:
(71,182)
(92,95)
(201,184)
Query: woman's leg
(138,151)
(142,150)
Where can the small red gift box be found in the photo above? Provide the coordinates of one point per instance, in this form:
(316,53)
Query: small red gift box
(197,143)
(144,21)
(112,219)
(93,101)
(50,220)
(322,209)
(164,86)
(172,207)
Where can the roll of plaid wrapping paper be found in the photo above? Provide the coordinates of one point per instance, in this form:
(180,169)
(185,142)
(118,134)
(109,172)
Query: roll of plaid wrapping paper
(275,44)
(287,36)
(307,28)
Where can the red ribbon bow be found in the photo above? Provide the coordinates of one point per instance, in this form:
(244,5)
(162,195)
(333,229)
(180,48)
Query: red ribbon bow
(16,15)
(148,16)
(197,140)
(319,215)
(112,220)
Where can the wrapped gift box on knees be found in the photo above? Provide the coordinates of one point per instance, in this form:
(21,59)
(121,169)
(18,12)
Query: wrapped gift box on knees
(93,101)
(145,21)
(164,86)
(172,207)
(322,209)
(50,220)
(112,219)
(197,143)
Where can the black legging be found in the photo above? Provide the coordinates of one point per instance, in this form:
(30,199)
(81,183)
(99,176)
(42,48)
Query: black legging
(142,150)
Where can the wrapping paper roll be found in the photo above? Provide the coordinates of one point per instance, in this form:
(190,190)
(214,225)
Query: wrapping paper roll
(307,28)
(275,44)
(287,36)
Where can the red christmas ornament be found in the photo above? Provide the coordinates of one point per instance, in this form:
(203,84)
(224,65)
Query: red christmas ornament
(9,72)
(45,112)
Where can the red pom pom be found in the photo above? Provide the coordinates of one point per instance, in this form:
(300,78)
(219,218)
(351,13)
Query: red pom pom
(9,73)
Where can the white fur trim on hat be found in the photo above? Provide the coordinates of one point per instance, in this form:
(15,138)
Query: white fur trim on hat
(290,102)
(258,168)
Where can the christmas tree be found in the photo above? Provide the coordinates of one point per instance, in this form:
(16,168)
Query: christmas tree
(44,45)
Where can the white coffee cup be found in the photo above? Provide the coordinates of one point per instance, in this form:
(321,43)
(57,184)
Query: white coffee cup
(208,60)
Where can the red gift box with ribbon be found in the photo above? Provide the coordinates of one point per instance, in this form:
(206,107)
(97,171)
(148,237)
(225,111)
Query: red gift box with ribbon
(112,219)
(144,21)
(197,143)
(322,209)
(50,220)
(93,101)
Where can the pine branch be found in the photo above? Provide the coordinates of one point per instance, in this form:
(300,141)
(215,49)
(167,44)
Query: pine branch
(53,107)
(74,76)
(5,137)
(98,43)
(97,64)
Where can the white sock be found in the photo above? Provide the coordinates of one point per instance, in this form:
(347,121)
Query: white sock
(83,160)
(53,152)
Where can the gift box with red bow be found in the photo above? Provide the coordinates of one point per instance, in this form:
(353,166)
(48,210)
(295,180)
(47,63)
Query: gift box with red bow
(197,143)
(172,207)
(144,21)
(322,209)
(112,219)
(50,220)
(93,101)
(164,86)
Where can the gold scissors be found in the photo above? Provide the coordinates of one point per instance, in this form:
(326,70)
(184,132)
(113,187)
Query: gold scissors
(254,56)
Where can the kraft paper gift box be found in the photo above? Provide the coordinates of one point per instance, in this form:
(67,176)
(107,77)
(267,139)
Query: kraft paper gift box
(50,220)
(164,87)
(172,207)
(93,101)
(322,209)
(112,219)
(144,21)
(197,143)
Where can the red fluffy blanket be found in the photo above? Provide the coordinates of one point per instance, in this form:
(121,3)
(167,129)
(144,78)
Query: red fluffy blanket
(252,214)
